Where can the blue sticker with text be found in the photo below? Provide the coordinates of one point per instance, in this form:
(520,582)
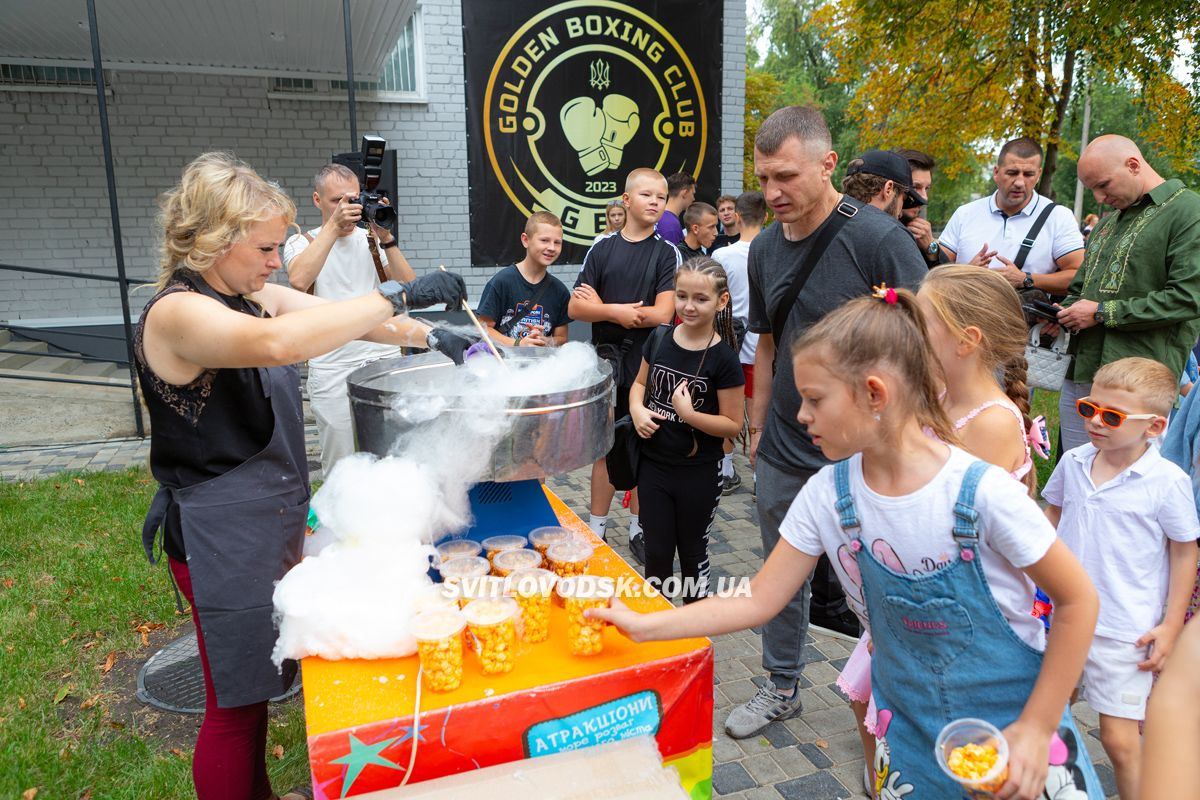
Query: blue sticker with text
(624,718)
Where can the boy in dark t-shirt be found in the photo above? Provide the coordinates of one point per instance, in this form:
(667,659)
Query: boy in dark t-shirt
(524,304)
(626,289)
(699,230)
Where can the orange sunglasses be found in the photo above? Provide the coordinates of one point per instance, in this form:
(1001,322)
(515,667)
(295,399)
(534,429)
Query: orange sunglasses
(1109,417)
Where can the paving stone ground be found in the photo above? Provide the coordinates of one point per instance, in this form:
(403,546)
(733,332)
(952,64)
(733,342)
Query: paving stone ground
(815,756)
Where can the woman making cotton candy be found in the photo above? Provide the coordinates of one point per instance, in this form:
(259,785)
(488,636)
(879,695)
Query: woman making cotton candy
(216,352)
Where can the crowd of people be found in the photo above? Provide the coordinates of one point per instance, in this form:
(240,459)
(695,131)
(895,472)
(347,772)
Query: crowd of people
(875,371)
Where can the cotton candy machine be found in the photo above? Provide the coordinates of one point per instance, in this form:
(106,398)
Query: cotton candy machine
(552,432)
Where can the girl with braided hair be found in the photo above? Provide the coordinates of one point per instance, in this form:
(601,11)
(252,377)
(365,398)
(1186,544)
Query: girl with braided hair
(686,399)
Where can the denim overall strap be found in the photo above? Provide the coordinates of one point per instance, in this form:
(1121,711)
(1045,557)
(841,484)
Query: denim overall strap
(847,513)
(942,651)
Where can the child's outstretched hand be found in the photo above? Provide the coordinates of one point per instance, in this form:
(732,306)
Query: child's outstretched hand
(1028,761)
(1161,641)
(625,619)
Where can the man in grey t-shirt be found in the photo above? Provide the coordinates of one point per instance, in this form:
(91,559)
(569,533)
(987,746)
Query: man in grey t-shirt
(794,162)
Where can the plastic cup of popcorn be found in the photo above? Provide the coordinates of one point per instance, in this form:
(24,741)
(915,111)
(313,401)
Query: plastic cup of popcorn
(458,548)
(440,647)
(435,597)
(542,538)
(508,561)
(975,754)
(461,575)
(532,589)
(570,558)
(585,636)
(498,544)
(493,624)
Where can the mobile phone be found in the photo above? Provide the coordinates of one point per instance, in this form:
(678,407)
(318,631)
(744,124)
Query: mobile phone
(1046,308)
(1039,311)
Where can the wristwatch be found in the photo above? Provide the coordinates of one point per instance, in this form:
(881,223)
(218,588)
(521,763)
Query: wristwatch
(1028,282)
(933,248)
(386,245)
(1099,316)
(753,430)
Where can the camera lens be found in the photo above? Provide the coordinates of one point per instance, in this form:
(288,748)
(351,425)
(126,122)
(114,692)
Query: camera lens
(382,215)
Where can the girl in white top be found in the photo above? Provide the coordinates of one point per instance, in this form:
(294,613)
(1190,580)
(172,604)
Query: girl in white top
(978,333)
(867,378)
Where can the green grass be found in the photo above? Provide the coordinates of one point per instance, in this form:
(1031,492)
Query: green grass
(1046,404)
(74,586)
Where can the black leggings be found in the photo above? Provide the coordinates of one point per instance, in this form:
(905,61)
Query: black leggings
(678,505)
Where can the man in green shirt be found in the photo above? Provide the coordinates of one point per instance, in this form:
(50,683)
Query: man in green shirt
(1137,292)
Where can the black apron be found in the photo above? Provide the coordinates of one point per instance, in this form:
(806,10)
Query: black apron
(243,531)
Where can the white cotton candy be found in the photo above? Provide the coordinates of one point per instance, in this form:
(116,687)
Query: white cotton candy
(353,594)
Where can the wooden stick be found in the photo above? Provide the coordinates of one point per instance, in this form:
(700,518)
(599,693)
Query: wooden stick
(491,346)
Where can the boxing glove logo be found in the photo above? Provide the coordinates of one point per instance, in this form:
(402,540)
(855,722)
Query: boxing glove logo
(599,134)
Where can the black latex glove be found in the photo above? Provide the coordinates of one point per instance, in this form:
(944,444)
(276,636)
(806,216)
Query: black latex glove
(433,288)
(451,343)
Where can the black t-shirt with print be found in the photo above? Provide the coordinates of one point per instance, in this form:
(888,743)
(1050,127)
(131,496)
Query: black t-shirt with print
(672,442)
(723,240)
(509,300)
(619,271)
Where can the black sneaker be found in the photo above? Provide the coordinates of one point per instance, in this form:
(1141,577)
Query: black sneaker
(637,546)
(843,624)
(730,483)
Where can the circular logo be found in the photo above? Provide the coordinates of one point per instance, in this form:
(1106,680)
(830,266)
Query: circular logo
(581,95)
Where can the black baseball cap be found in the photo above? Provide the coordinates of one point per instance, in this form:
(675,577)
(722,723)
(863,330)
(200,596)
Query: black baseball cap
(892,166)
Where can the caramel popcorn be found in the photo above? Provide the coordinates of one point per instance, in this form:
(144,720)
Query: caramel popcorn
(440,648)
(532,589)
(584,634)
(542,538)
(506,561)
(493,624)
(972,761)
(498,544)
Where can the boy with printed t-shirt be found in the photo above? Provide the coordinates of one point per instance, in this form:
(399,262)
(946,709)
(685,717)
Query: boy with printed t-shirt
(626,289)
(1128,515)
(524,304)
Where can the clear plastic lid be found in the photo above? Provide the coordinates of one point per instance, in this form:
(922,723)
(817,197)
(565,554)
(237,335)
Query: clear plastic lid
(433,626)
(548,535)
(587,587)
(570,552)
(506,542)
(490,611)
(459,548)
(531,581)
(509,560)
(469,567)
(435,597)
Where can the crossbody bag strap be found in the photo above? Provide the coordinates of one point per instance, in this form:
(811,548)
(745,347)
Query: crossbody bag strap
(312,287)
(1031,237)
(841,215)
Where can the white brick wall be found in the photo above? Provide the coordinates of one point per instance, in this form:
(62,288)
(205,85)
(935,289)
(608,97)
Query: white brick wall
(54,200)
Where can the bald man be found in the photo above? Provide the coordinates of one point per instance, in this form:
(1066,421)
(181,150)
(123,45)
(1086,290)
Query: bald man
(1138,290)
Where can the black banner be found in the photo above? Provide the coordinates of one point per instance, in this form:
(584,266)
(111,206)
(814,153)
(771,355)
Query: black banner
(565,99)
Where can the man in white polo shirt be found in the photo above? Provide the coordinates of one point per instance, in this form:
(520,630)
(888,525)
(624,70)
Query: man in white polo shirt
(1016,231)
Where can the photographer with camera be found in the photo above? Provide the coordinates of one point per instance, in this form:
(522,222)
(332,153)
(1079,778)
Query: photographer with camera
(336,261)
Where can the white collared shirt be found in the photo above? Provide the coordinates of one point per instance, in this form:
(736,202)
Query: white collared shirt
(982,222)
(1119,533)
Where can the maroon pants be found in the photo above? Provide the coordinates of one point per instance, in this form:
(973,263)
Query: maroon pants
(230,760)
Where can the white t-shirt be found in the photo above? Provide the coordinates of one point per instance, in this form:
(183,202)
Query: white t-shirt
(1119,533)
(733,258)
(348,272)
(912,534)
(981,221)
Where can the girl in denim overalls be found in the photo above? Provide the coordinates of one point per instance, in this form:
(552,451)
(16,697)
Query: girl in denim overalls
(938,554)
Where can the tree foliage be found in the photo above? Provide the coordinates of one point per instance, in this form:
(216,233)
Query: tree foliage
(957,76)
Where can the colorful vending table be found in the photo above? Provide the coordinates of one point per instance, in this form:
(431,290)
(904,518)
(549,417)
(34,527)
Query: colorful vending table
(363,734)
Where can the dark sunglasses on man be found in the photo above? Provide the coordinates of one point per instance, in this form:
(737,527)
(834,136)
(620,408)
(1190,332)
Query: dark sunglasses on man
(1109,417)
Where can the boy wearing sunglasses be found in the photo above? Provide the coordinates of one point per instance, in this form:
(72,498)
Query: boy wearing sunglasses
(1128,515)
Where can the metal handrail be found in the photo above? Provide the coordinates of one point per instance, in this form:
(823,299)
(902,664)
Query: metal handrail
(73,356)
(62,273)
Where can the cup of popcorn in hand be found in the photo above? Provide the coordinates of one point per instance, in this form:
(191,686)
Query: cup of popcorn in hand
(975,754)
(532,589)
(493,624)
(440,647)
(585,636)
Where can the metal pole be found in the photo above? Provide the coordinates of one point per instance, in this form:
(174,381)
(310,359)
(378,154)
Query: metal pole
(1087,121)
(106,142)
(349,75)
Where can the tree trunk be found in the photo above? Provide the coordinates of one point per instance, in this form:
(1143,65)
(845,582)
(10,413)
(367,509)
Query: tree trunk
(1060,113)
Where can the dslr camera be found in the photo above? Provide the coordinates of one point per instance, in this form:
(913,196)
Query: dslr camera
(369,172)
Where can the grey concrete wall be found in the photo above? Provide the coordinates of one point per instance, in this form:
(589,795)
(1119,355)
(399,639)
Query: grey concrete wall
(54,202)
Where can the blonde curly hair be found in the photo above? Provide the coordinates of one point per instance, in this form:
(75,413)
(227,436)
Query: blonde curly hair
(211,208)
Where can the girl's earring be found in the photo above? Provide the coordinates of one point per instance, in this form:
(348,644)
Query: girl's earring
(878,418)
